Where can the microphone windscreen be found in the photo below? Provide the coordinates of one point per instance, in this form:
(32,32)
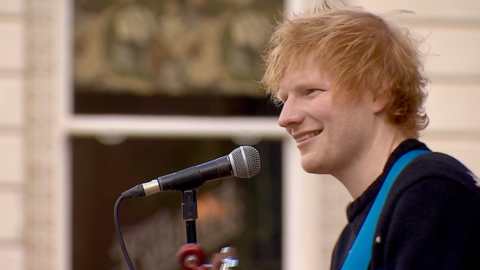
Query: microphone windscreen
(246,161)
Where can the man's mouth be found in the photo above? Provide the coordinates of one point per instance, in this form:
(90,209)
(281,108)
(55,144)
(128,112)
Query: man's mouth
(306,136)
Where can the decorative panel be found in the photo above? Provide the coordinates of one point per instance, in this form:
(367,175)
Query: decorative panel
(172,47)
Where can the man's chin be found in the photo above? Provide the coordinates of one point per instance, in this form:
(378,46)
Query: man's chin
(311,167)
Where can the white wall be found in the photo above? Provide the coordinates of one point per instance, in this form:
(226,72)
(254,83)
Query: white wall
(452,31)
(12,180)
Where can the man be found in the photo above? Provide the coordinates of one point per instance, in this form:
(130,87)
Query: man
(352,85)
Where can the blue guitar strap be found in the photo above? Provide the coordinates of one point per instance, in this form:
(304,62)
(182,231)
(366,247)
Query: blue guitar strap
(361,252)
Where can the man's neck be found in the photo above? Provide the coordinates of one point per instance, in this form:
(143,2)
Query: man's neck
(360,175)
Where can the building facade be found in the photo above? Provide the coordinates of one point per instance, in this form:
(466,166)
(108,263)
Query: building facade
(36,122)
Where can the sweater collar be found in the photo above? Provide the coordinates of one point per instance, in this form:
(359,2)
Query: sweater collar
(368,196)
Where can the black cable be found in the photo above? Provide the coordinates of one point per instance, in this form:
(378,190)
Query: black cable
(119,234)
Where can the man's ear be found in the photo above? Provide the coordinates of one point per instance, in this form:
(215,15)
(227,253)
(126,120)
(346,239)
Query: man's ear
(380,101)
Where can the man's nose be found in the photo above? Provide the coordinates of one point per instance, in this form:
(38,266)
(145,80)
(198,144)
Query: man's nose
(291,113)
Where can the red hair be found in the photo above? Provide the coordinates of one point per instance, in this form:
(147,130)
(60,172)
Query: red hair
(362,51)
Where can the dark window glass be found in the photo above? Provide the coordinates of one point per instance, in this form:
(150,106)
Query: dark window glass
(159,104)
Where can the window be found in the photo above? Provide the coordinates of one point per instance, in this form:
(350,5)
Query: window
(161,60)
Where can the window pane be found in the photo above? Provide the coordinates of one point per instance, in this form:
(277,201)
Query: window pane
(245,213)
(159,104)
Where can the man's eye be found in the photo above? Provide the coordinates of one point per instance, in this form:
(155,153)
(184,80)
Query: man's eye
(279,101)
(311,91)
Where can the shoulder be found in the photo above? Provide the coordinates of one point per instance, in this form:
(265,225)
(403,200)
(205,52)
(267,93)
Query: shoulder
(431,189)
(433,209)
(434,179)
(437,166)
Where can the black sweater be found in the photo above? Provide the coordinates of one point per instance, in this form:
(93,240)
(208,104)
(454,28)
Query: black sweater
(430,220)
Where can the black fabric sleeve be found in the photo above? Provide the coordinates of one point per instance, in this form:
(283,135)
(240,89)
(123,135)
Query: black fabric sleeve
(434,225)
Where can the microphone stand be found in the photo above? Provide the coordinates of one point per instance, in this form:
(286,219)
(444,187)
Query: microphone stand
(190,214)
(190,256)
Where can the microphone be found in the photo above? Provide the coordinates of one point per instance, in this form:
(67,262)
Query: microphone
(243,162)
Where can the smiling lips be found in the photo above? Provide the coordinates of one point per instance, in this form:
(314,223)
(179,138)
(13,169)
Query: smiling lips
(302,138)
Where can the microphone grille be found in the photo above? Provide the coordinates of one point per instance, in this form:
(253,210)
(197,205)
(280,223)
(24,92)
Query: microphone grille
(245,161)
